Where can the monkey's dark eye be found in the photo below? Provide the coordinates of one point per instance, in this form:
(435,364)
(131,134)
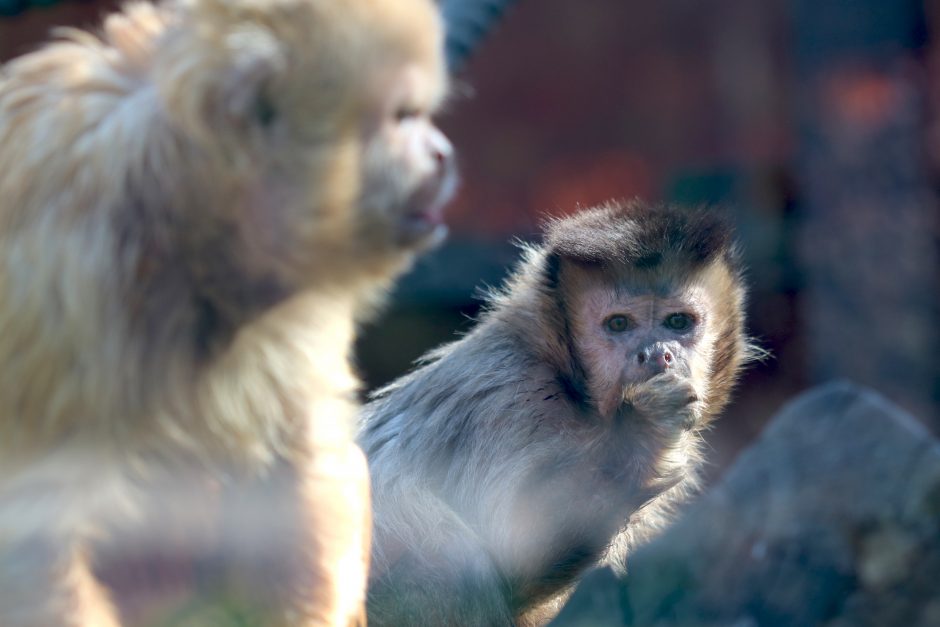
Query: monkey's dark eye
(617,323)
(265,112)
(679,322)
(405,113)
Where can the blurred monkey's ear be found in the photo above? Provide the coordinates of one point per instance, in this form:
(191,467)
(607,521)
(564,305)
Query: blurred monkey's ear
(232,86)
(256,61)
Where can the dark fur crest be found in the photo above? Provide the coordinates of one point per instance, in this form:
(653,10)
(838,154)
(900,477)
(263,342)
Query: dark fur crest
(641,236)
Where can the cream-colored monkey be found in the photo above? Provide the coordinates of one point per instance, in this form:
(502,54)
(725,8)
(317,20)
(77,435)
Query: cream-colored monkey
(196,207)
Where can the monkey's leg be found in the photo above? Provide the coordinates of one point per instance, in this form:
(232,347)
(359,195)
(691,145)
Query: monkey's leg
(45,574)
(432,569)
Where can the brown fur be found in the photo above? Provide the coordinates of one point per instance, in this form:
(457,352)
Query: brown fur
(196,206)
(541,444)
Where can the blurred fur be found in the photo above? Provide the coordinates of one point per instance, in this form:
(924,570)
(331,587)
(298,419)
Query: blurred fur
(497,477)
(196,206)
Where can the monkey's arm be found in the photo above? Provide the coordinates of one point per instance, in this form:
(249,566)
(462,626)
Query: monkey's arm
(664,406)
(336,503)
(432,569)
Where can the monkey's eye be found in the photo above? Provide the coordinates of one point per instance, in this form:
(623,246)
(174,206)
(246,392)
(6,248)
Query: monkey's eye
(617,323)
(679,322)
(406,113)
(265,112)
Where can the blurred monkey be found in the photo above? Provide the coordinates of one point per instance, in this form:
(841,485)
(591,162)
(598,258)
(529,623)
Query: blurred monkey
(197,205)
(563,428)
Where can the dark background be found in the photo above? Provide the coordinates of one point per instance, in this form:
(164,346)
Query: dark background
(813,123)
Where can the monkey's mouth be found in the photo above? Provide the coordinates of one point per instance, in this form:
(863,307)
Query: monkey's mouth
(419,225)
(422,223)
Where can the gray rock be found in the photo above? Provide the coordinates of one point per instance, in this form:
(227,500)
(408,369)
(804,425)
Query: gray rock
(831,518)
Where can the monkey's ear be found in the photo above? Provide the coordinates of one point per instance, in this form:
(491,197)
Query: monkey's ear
(256,61)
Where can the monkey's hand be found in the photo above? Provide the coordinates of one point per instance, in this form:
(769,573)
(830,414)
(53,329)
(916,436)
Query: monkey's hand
(667,401)
(662,410)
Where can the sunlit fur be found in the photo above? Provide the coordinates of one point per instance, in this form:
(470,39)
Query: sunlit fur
(193,217)
(498,475)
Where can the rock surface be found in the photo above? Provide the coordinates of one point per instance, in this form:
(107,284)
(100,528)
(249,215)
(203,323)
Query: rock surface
(831,518)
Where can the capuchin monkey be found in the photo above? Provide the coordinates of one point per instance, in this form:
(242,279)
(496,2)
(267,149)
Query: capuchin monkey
(197,206)
(563,428)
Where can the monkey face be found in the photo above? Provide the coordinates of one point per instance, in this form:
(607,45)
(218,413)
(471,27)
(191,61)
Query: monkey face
(408,169)
(627,334)
(311,147)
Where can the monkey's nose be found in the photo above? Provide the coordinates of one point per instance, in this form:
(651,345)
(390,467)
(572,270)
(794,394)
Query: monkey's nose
(442,152)
(656,358)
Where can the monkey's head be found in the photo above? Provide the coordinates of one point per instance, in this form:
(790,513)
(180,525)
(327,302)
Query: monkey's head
(650,294)
(303,135)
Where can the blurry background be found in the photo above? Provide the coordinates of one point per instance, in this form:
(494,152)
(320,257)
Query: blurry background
(813,122)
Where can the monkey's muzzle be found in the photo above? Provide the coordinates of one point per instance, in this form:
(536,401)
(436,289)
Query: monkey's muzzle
(422,224)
